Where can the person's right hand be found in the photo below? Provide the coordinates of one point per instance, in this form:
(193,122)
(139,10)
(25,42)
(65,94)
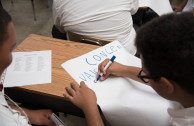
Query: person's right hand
(81,96)
(115,69)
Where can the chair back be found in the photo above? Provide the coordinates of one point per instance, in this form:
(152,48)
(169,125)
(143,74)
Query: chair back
(87,39)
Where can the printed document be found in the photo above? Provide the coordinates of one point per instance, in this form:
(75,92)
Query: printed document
(29,68)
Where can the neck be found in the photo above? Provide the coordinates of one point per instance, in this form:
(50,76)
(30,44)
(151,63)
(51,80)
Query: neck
(186,99)
(182,96)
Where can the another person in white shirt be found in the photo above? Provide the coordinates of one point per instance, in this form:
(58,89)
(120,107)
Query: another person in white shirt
(104,19)
(13,115)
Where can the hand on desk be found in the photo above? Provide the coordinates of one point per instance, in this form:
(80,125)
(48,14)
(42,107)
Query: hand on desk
(84,98)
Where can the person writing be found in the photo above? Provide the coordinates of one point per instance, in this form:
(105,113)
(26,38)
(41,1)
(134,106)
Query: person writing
(166,48)
(14,115)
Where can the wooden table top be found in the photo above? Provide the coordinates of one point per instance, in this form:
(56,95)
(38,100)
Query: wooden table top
(62,51)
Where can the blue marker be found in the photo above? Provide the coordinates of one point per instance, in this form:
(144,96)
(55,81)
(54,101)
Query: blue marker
(107,66)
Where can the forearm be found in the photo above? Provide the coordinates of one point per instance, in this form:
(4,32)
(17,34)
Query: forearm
(130,72)
(93,117)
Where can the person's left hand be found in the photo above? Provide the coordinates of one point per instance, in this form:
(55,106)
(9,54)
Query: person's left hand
(40,117)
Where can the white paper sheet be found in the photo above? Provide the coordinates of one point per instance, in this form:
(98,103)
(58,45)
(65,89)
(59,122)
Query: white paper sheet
(159,6)
(123,101)
(28,68)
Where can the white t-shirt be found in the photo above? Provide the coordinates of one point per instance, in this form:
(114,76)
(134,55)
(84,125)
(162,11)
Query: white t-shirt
(182,116)
(10,117)
(106,19)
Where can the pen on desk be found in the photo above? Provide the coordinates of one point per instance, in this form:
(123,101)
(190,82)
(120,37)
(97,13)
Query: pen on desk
(107,66)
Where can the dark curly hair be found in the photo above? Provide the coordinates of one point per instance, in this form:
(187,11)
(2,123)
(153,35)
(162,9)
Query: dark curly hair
(5,18)
(167,47)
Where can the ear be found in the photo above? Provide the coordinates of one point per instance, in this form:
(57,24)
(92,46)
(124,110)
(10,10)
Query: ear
(167,85)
